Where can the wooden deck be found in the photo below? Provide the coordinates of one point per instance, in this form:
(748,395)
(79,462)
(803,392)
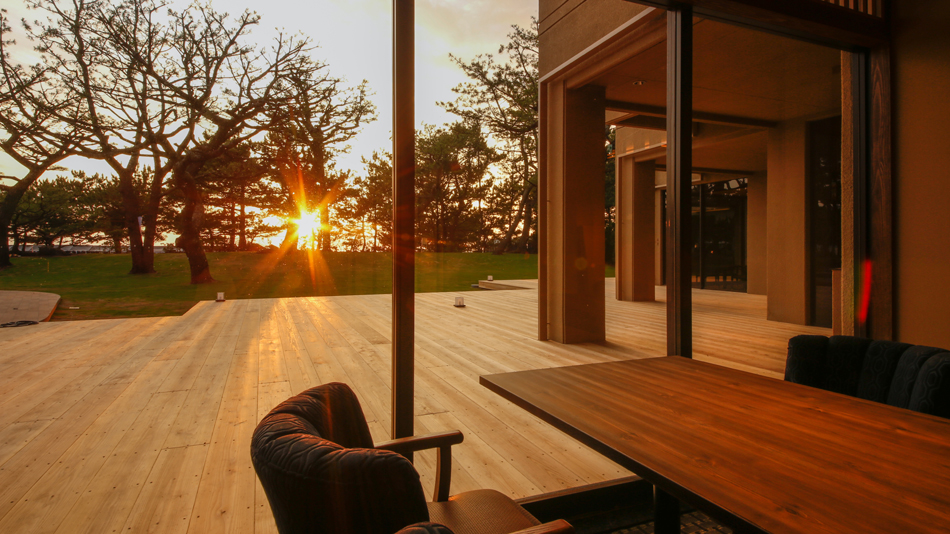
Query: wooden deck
(144,425)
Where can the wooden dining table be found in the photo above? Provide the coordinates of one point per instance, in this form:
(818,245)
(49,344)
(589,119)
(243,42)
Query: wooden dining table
(755,453)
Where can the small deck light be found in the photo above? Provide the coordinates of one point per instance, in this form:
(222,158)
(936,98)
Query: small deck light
(220,296)
(459,302)
(490,278)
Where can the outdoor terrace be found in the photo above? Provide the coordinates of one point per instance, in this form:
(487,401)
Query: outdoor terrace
(137,425)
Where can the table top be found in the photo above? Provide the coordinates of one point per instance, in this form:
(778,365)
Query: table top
(758,454)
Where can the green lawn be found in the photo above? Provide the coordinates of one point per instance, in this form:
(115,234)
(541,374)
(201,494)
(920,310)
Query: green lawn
(100,286)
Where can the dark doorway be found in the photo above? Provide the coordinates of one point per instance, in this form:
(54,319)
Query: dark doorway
(719,235)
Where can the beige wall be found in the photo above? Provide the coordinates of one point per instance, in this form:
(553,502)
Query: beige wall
(786,222)
(921,92)
(630,139)
(570,26)
(757,235)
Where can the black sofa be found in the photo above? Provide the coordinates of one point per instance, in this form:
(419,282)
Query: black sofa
(907,376)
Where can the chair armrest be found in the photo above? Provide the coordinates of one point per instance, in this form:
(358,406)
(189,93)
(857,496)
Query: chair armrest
(558,526)
(442,441)
(421,443)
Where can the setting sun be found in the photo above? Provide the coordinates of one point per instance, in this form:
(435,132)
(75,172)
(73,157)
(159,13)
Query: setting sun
(307,224)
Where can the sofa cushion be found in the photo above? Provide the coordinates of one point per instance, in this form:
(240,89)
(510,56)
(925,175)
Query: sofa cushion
(843,362)
(806,360)
(905,375)
(932,389)
(877,373)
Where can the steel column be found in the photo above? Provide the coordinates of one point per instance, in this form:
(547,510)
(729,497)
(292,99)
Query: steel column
(404,199)
(679,157)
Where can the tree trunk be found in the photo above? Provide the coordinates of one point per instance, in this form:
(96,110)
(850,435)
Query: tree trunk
(141,262)
(289,244)
(522,244)
(117,244)
(192,216)
(242,223)
(155,196)
(506,242)
(16,241)
(8,207)
(325,226)
(232,231)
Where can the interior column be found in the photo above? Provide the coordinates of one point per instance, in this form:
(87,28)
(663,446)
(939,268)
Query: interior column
(635,230)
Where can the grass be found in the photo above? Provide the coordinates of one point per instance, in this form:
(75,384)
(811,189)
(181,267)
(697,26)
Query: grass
(101,288)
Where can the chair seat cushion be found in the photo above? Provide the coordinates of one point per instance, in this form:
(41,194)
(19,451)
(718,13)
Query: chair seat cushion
(426,528)
(481,512)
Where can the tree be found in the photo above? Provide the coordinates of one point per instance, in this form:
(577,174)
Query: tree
(220,91)
(503,97)
(451,167)
(53,209)
(37,136)
(105,206)
(321,118)
(105,209)
(234,182)
(93,47)
(373,204)
(178,87)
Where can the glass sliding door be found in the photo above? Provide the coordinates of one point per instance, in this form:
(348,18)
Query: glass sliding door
(719,235)
(724,235)
(824,205)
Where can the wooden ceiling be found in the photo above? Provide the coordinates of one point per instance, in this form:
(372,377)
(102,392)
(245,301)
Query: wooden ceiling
(741,154)
(741,73)
(738,71)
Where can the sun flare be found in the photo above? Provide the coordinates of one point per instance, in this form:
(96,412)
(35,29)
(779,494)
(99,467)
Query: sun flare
(307,224)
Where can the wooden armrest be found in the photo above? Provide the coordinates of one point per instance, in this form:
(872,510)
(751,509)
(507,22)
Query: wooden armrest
(421,443)
(559,526)
(442,441)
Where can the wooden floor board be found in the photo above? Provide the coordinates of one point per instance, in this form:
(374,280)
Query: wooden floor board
(144,425)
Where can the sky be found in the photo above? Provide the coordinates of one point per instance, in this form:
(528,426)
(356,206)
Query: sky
(355,40)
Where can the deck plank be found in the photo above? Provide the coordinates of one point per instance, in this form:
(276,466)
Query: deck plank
(144,425)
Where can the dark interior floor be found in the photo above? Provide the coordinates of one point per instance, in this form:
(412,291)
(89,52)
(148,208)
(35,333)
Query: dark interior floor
(692,523)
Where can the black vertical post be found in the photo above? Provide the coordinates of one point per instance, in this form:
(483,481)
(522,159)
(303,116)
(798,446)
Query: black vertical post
(679,157)
(404,200)
(666,512)
(699,231)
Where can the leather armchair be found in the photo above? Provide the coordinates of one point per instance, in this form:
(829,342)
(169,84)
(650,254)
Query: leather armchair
(322,473)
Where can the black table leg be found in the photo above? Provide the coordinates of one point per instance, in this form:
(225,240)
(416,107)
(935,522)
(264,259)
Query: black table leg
(666,512)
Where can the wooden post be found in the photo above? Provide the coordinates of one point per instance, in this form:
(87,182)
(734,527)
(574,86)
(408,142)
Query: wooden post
(404,200)
(543,111)
(857,232)
(635,196)
(850,166)
(880,214)
(679,157)
(573,226)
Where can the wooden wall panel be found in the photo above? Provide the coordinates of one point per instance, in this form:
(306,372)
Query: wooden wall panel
(880,211)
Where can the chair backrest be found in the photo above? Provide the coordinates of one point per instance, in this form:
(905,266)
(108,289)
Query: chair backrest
(907,376)
(313,454)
